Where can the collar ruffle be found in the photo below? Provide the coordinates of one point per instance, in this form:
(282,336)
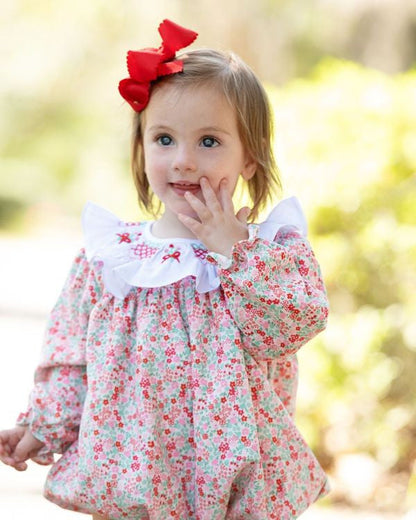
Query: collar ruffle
(132,257)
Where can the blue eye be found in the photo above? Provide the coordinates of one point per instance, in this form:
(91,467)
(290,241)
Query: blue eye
(164,140)
(209,142)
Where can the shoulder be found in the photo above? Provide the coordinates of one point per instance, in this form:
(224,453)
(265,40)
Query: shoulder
(285,230)
(287,213)
(104,232)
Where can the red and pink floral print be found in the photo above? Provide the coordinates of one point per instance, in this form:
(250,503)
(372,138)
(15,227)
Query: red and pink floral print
(170,402)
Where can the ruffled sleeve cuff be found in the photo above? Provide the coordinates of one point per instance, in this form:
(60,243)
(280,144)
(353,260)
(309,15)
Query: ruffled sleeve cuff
(56,437)
(45,455)
(24,418)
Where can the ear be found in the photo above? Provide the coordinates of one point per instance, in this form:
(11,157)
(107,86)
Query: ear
(249,170)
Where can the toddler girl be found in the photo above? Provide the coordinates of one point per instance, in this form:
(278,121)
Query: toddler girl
(168,372)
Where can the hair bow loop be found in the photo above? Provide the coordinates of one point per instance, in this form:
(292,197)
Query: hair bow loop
(174,37)
(142,65)
(137,94)
(146,65)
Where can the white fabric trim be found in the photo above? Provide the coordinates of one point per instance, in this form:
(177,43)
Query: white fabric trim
(287,213)
(120,245)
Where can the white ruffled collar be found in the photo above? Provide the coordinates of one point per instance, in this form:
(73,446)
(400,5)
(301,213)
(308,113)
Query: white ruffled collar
(132,256)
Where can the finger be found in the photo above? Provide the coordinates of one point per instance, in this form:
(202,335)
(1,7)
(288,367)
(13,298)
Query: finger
(198,206)
(8,440)
(5,439)
(243,214)
(210,196)
(4,448)
(21,452)
(192,224)
(26,447)
(11,461)
(11,437)
(226,197)
(20,466)
(6,460)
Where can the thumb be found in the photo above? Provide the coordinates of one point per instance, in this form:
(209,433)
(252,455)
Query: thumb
(20,455)
(27,447)
(21,452)
(243,214)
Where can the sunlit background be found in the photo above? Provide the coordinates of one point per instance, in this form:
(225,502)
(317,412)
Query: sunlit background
(342,80)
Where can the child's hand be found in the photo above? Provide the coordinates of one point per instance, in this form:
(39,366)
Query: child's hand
(219,227)
(18,445)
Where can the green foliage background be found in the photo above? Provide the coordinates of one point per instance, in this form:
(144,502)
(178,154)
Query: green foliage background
(348,140)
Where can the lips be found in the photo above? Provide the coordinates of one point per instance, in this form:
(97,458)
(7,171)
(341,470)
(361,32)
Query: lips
(182,187)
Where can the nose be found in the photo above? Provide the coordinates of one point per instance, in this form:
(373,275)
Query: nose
(184,160)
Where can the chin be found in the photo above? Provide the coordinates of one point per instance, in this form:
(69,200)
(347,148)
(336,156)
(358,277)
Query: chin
(184,209)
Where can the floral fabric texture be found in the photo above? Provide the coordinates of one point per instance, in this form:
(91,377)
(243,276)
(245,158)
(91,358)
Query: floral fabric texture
(168,376)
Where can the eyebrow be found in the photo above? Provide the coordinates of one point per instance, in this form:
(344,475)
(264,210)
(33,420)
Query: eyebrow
(208,129)
(203,130)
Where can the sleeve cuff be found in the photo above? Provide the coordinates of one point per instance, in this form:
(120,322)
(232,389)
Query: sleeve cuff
(225,262)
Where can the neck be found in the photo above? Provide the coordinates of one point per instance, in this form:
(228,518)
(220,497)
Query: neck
(169,226)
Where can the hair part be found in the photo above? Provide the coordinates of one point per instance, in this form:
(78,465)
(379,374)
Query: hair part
(242,89)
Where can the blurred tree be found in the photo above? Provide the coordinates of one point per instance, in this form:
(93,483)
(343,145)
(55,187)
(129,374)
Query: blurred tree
(62,62)
(283,39)
(346,140)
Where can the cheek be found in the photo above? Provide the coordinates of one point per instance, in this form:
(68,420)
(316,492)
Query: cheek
(224,173)
(154,164)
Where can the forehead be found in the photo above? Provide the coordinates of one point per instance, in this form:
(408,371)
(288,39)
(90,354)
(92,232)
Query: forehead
(195,103)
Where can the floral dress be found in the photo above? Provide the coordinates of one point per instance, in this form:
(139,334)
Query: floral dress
(168,374)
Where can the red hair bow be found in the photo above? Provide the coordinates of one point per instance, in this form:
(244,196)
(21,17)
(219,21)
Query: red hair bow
(146,65)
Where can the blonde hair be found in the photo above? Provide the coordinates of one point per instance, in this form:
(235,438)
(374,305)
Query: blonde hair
(244,92)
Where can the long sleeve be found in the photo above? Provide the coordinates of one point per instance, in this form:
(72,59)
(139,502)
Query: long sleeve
(56,401)
(275,293)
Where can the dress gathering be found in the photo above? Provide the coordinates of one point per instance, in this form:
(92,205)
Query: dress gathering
(168,374)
